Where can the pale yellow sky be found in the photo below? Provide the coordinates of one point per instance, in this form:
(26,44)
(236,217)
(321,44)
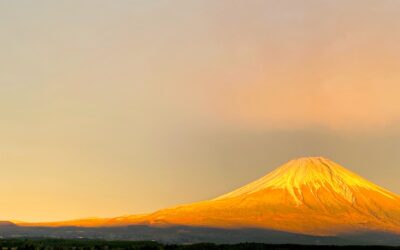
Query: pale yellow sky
(123,107)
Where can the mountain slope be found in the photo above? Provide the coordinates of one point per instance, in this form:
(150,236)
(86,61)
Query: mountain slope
(308,195)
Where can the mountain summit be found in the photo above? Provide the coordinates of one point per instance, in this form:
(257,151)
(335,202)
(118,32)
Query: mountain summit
(312,174)
(310,195)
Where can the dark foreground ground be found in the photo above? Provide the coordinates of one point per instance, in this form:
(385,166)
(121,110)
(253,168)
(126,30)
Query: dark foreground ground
(64,244)
(181,235)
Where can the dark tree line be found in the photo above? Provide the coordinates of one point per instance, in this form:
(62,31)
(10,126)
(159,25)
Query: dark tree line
(60,244)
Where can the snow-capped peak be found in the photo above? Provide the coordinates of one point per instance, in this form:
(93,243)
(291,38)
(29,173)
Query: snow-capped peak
(313,173)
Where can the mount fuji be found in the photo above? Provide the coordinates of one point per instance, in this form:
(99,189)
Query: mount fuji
(309,196)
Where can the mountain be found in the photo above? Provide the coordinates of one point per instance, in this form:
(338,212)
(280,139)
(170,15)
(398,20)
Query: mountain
(312,196)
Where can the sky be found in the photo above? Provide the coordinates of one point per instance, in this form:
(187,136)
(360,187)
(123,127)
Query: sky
(124,107)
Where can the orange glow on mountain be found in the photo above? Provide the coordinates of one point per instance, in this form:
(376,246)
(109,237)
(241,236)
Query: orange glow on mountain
(308,195)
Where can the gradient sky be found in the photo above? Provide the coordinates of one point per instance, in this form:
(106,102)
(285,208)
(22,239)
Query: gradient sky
(123,107)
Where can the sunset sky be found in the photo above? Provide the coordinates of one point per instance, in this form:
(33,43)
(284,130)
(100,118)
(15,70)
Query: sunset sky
(125,107)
